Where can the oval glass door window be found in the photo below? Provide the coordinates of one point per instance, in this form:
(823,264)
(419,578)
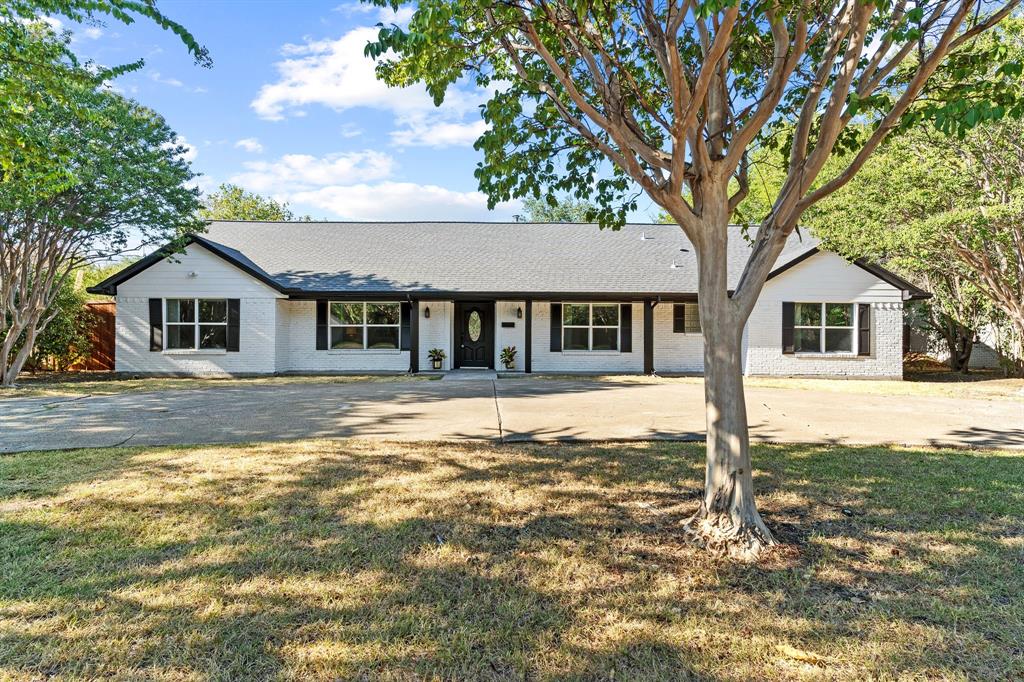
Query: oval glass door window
(473,326)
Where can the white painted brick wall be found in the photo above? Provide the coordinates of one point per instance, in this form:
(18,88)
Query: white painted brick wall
(584,361)
(256,342)
(505,311)
(436,332)
(298,334)
(675,352)
(826,278)
(214,278)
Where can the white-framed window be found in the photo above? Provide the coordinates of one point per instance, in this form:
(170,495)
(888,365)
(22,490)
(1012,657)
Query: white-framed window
(590,326)
(365,326)
(824,327)
(195,323)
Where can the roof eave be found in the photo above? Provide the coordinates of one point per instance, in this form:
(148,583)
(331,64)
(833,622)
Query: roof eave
(915,293)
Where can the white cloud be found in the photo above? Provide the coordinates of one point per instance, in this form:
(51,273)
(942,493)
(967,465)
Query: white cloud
(336,74)
(250,144)
(93,33)
(189,151)
(156,77)
(427,131)
(401,201)
(294,173)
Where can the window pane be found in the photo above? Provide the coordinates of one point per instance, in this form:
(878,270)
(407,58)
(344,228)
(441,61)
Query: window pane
(575,339)
(807,314)
(347,313)
(383,313)
(839,340)
(213,336)
(213,310)
(606,315)
(807,340)
(181,310)
(474,326)
(382,337)
(838,314)
(346,337)
(181,336)
(692,318)
(606,339)
(575,314)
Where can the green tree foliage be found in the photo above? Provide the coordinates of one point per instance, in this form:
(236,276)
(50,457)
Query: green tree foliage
(542,210)
(946,211)
(602,101)
(38,70)
(66,339)
(231,202)
(131,183)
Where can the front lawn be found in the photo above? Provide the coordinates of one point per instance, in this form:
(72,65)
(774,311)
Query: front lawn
(75,384)
(347,560)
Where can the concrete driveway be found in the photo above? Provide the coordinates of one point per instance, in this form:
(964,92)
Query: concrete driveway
(506,409)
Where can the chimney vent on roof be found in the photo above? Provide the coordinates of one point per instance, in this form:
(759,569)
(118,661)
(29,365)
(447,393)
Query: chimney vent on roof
(644,237)
(674,265)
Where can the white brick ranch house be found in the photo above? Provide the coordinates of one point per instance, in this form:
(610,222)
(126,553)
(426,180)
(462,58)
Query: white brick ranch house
(265,298)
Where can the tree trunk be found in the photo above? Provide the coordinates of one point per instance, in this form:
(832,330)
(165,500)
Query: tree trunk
(727,521)
(960,342)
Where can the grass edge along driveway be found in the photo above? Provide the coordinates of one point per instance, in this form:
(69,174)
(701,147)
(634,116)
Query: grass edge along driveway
(339,559)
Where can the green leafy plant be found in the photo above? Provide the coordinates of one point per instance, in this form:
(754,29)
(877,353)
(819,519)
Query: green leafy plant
(508,356)
(436,356)
(604,102)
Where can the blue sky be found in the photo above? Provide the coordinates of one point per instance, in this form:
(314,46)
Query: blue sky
(291,109)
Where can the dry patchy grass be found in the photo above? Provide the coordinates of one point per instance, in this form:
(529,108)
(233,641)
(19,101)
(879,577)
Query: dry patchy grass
(109,383)
(984,386)
(322,559)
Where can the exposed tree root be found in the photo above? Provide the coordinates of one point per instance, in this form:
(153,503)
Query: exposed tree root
(723,534)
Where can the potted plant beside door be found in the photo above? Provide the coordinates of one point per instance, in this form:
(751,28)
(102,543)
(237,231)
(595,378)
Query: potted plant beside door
(437,357)
(508,357)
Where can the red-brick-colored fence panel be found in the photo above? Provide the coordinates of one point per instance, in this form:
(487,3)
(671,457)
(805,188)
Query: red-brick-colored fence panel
(102,335)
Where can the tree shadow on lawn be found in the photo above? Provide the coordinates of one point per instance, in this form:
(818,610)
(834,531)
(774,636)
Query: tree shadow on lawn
(477,561)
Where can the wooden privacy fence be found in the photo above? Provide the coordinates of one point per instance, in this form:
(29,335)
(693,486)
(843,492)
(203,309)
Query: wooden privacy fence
(102,335)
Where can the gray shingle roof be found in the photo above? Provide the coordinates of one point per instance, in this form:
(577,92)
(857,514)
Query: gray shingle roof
(478,258)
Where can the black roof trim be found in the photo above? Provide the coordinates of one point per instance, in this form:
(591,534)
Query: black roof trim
(887,276)
(109,286)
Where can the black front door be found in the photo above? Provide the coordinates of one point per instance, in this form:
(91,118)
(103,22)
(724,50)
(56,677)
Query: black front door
(474,334)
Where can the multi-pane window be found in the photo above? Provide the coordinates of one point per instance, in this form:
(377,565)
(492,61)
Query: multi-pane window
(686,318)
(823,327)
(359,326)
(196,323)
(590,326)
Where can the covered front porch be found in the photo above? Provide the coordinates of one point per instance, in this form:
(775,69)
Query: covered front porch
(568,336)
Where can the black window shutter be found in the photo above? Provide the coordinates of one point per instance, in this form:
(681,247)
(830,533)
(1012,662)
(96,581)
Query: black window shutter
(678,318)
(788,314)
(406,333)
(321,325)
(156,324)
(556,327)
(234,308)
(864,329)
(626,328)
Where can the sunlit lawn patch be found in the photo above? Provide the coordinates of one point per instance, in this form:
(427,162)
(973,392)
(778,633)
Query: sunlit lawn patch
(342,559)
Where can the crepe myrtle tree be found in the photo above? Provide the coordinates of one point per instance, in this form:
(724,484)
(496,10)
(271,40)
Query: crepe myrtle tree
(596,99)
(131,187)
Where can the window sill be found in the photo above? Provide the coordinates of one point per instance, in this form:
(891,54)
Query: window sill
(590,352)
(193,351)
(831,356)
(364,351)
